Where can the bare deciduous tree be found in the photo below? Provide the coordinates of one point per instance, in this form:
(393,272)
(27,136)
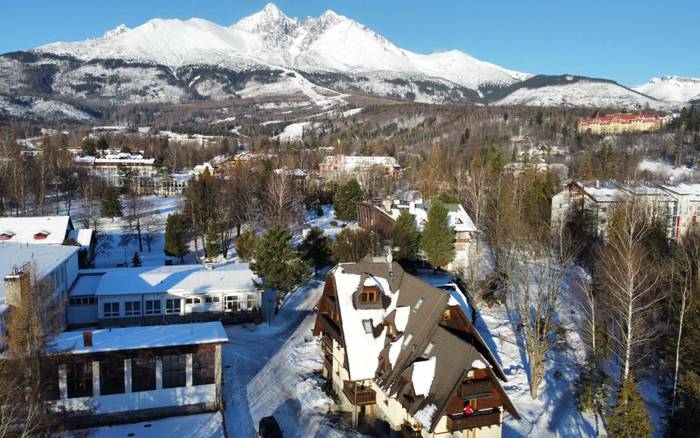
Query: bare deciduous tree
(32,320)
(537,282)
(631,284)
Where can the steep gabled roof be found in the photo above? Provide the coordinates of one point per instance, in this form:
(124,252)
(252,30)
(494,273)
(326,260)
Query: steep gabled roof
(409,352)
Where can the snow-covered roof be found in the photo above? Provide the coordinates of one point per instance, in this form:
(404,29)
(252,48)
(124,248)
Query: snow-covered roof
(457,216)
(25,229)
(363,348)
(196,279)
(423,374)
(82,237)
(45,258)
(134,338)
(86,284)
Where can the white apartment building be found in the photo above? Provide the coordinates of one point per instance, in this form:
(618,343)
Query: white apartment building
(678,206)
(115,169)
(343,167)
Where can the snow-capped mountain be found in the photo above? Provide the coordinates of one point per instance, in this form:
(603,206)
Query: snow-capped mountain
(268,53)
(577,91)
(672,88)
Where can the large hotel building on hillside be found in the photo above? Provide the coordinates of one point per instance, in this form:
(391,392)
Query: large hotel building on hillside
(620,123)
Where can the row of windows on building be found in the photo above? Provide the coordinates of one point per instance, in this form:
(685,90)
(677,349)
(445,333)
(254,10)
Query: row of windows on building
(112,373)
(233,303)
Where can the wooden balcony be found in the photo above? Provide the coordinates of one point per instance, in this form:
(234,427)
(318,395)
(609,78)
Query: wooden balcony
(359,394)
(457,422)
(328,363)
(327,343)
(476,389)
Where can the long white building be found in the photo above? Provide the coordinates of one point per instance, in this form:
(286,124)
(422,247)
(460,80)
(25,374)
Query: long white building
(164,294)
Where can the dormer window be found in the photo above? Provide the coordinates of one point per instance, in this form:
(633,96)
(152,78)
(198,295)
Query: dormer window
(367,324)
(41,235)
(369,295)
(6,235)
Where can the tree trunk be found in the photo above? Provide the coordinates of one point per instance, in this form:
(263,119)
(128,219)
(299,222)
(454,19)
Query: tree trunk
(678,350)
(138,233)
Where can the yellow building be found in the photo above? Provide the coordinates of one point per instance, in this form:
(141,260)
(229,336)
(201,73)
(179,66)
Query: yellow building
(620,123)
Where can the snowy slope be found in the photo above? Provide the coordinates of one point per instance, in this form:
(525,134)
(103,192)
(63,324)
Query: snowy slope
(671,88)
(581,93)
(329,43)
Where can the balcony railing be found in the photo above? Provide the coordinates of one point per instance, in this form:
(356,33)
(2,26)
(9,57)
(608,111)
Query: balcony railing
(327,342)
(359,394)
(477,419)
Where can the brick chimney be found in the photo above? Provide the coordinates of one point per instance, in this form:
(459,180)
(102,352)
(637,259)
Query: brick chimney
(87,339)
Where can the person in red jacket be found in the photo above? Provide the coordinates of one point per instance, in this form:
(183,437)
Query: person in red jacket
(468,409)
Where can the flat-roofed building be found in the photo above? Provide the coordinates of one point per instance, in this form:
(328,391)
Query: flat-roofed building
(131,374)
(165,294)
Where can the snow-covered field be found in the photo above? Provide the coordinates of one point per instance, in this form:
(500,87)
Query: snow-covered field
(116,247)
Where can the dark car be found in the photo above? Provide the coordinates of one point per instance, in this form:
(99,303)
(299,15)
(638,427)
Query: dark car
(269,428)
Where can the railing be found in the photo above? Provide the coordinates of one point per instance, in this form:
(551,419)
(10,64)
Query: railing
(327,342)
(477,419)
(359,395)
(328,363)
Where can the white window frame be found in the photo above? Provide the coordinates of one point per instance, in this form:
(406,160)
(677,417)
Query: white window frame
(228,303)
(172,301)
(130,308)
(111,313)
(155,307)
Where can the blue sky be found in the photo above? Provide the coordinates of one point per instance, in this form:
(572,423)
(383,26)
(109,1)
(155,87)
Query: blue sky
(628,41)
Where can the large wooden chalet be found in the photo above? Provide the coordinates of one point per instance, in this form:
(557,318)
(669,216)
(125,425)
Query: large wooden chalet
(405,358)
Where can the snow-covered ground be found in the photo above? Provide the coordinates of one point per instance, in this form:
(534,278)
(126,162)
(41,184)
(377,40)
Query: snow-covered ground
(292,132)
(270,370)
(208,425)
(666,170)
(116,247)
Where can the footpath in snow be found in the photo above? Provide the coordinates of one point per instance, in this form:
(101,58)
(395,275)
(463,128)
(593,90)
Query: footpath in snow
(269,370)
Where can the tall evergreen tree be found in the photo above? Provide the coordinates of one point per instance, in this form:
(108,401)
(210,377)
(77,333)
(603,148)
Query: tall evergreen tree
(629,417)
(316,249)
(176,236)
(406,237)
(346,199)
(213,248)
(111,206)
(245,246)
(136,260)
(438,236)
(278,264)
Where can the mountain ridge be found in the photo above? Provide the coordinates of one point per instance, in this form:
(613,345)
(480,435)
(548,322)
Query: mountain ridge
(268,53)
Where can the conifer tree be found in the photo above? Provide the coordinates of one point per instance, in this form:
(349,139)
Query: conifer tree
(136,260)
(346,199)
(278,264)
(245,246)
(438,237)
(629,417)
(213,248)
(176,236)
(406,237)
(111,206)
(316,249)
